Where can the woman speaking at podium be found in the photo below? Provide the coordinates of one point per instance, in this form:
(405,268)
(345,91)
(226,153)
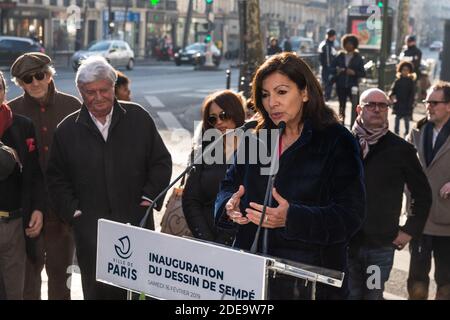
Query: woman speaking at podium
(318,195)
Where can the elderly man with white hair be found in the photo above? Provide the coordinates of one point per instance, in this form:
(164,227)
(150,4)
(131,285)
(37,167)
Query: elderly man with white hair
(390,163)
(107,161)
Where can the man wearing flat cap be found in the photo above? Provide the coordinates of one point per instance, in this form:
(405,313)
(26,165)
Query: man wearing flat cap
(46,107)
(22,198)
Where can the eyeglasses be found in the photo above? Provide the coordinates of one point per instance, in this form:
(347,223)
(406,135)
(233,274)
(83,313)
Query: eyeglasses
(372,105)
(433,103)
(212,119)
(29,77)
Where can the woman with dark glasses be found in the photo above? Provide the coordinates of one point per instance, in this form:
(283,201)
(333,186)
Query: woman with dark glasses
(222,110)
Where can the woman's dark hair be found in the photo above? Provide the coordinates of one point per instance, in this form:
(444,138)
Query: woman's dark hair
(406,64)
(228,101)
(350,38)
(122,79)
(296,69)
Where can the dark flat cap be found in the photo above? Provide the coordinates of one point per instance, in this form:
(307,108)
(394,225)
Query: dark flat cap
(331,32)
(29,63)
(7,161)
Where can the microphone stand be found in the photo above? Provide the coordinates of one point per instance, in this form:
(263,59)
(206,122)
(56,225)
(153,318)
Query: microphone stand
(268,195)
(211,146)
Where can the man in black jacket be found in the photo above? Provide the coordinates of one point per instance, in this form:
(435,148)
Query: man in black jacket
(21,198)
(348,69)
(389,163)
(327,53)
(107,161)
(412,54)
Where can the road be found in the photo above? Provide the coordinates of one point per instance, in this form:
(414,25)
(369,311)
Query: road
(173,96)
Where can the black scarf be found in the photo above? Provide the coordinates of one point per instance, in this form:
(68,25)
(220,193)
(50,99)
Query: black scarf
(443,135)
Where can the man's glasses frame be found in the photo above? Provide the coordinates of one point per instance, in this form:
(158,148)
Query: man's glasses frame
(383,106)
(29,77)
(212,119)
(434,103)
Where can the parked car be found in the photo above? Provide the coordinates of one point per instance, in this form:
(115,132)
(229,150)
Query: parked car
(117,52)
(195,54)
(436,46)
(13,47)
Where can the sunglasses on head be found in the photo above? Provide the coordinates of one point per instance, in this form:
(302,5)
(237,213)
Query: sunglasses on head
(29,77)
(212,119)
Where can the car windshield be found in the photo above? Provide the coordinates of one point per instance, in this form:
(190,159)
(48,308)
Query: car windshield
(99,46)
(196,47)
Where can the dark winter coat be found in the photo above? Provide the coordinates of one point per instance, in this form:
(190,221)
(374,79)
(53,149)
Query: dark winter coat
(105,179)
(21,137)
(271,50)
(321,176)
(391,164)
(404,90)
(199,196)
(356,64)
(327,53)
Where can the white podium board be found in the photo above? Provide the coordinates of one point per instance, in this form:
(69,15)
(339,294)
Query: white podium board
(170,267)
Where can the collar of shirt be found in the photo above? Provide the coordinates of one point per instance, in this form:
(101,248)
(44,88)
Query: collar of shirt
(103,128)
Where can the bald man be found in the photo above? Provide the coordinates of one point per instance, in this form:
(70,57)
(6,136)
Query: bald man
(390,163)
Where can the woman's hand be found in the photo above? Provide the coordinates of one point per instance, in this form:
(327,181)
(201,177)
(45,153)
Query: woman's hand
(232,207)
(445,191)
(275,217)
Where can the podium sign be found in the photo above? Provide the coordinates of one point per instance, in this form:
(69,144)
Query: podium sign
(169,267)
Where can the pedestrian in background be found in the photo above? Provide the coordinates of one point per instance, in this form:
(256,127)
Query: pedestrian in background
(273,47)
(22,198)
(347,70)
(432,140)
(412,54)
(122,87)
(222,110)
(46,107)
(402,95)
(107,161)
(327,54)
(390,163)
(287,46)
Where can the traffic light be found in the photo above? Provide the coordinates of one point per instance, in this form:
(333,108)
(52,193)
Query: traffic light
(209,1)
(380,4)
(208,38)
(154,2)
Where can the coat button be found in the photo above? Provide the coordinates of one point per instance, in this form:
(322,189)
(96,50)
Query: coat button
(44,129)
(42,109)
(46,148)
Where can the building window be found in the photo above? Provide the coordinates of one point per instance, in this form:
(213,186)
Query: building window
(53,2)
(38,1)
(23,1)
(79,3)
(66,3)
(141,3)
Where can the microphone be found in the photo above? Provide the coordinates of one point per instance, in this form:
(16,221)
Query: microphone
(249,125)
(268,196)
(246,126)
